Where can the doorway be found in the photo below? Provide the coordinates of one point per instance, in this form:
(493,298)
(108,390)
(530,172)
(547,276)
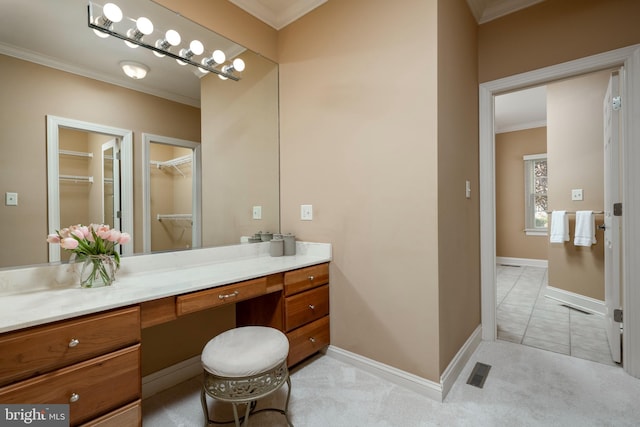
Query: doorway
(629,58)
(549,141)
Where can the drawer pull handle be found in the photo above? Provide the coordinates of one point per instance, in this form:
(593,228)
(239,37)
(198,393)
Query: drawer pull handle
(313,340)
(311,278)
(74,342)
(231,295)
(312,307)
(74,397)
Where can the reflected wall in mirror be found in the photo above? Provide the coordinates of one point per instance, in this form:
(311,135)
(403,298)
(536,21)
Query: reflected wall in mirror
(72,78)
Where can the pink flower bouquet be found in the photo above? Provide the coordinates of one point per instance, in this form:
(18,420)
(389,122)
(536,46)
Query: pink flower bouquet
(95,244)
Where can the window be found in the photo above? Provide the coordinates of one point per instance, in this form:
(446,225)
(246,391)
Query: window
(535,193)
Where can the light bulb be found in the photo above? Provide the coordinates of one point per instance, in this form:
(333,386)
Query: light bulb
(238,65)
(144,26)
(171,38)
(218,57)
(112,12)
(195,48)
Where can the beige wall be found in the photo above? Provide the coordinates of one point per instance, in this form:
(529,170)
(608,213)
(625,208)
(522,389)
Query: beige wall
(576,160)
(359,142)
(511,240)
(555,31)
(458,217)
(30,92)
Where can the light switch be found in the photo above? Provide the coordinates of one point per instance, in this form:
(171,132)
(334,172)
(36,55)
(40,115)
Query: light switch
(306,212)
(257,212)
(576,194)
(11,199)
(467,189)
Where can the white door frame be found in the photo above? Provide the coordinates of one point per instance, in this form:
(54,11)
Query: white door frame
(628,57)
(196,187)
(54,124)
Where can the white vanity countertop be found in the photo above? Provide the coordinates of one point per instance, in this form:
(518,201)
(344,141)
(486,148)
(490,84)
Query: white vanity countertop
(37,295)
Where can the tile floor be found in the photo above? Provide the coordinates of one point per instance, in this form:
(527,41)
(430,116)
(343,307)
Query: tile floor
(526,316)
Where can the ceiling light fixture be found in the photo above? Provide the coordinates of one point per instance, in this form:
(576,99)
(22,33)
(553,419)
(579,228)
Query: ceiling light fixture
(106,25)
(135,70)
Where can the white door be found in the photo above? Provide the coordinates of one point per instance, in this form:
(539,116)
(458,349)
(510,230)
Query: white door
(111,183)
(612,266)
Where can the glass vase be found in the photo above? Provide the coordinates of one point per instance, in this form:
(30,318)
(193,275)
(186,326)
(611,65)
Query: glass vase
(97,271)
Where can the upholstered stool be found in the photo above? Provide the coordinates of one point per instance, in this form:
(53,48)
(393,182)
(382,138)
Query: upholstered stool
(243,365)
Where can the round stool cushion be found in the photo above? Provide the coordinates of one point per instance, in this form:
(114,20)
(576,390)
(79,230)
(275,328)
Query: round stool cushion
(245,351)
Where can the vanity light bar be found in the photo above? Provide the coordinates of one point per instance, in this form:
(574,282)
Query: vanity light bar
(108,30)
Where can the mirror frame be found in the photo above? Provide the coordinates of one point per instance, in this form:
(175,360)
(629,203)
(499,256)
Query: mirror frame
(54,124)
(196,187)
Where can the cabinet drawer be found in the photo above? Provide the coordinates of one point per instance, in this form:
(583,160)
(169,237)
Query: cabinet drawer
(307,340)
(305,278)
(91,388)
(215,297)
(127,416)
(42,349)
(306,307)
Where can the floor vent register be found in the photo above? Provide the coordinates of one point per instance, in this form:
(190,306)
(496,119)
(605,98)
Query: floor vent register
(479,375)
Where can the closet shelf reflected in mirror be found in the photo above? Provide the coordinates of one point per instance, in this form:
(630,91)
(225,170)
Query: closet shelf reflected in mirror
(173,164)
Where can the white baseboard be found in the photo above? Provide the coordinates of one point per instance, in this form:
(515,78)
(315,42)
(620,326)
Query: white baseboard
(574,300)
(450,375)
(423,386)
(171,376)
(413,382)
(523,262)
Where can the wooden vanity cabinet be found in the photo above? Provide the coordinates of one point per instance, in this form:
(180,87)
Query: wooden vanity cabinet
(90,362)
(306,311)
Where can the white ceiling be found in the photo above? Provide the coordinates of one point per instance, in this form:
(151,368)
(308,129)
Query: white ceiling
(524,109)
(278,13)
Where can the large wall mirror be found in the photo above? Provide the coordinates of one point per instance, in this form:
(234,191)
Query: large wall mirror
(53,65)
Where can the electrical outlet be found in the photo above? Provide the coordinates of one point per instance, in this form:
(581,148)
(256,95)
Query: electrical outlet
(576,194)
(257,212)
(11,199)
(306,212)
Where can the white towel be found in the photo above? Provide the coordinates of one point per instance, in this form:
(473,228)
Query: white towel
(559,227)
(585,229)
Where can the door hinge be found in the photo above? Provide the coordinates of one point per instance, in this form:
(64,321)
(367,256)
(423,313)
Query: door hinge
(617,315)
(616,103)
(617,209)
(119,214)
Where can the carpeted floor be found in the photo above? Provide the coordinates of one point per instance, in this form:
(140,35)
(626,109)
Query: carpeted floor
(525,387)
